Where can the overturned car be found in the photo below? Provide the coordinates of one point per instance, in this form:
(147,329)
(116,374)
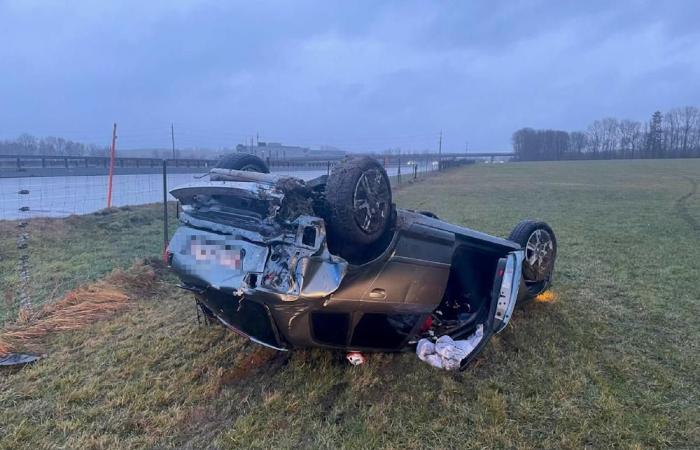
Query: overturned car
(331,262)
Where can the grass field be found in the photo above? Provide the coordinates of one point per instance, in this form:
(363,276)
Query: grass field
(610,361)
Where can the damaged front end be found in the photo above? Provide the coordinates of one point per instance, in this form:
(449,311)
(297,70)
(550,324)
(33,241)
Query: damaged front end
(249,242)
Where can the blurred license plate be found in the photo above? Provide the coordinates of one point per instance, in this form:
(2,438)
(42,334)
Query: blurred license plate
(216,251)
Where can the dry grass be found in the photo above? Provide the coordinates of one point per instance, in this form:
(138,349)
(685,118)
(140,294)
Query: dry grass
(79,308)
(66,253)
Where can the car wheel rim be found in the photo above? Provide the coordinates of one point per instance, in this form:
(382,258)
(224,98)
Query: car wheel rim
(539,256)
(370,201)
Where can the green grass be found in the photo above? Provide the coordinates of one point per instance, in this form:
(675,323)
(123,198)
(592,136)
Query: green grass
(612,361)
(66,252)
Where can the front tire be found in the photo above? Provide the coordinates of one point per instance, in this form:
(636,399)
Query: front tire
(540,245)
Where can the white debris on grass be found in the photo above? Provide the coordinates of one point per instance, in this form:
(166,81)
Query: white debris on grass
(447,353)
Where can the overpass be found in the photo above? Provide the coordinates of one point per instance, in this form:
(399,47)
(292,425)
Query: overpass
(15,166)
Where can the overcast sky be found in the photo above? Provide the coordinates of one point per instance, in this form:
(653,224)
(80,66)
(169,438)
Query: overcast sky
(358,75)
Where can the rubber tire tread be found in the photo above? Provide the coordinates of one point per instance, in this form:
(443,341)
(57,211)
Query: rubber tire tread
(236,161)
(340,190)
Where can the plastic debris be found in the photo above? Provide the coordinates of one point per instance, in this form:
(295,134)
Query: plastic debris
(18,359)
(355,358)
(447,353)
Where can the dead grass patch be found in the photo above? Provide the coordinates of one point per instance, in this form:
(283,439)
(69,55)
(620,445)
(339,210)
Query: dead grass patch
(251,364)
(81,307)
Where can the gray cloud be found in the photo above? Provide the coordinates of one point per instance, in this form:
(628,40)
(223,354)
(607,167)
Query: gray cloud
(354,74)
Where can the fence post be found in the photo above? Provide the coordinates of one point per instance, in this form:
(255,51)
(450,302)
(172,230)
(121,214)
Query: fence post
(328,170)
(399,170)
(165,209)
(415,171)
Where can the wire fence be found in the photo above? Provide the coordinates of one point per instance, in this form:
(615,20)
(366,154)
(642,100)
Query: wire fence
(56,233)
(61,196)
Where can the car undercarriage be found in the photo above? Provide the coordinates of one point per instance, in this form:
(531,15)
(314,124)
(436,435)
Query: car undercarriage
(333,263)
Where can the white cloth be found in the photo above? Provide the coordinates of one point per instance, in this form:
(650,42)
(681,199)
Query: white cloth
(447,353)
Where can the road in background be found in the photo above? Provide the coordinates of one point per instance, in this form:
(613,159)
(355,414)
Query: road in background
(63,196)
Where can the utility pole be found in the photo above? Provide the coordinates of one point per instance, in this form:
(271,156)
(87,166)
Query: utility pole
(440,152)
(172,137)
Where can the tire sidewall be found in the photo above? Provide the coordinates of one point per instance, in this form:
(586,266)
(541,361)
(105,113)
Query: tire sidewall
(521,234)
(340,197)
(243,161)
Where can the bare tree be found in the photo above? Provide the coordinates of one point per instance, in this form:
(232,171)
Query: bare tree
(689,124)
(671,135)
(630,133)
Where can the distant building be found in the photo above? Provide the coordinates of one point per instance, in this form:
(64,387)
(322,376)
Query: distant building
(276,150)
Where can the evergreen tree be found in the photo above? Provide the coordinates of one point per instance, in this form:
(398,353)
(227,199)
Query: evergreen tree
(655,136)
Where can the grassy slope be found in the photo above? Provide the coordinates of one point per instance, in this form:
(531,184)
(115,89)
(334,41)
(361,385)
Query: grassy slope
(66,252)
(612,361)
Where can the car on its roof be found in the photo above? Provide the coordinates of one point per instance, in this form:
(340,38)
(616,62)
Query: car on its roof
(332,262)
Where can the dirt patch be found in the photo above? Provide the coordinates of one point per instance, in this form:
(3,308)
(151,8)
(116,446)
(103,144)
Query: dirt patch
(252,366)
(259,361)
(328,401)
(80,307)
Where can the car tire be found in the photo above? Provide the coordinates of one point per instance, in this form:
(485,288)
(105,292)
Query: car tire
(242,161)
(540,245)
(358,194)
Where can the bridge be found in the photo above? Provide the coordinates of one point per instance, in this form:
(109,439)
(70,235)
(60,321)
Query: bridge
(15,166)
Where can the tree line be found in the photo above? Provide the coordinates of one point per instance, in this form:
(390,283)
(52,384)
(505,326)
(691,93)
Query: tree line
(27,144)
(675,134)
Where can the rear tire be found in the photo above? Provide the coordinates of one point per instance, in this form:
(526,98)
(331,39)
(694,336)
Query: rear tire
(540,245)
(243,161)
(358,194)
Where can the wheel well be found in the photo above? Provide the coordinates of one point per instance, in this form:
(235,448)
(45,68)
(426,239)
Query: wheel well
(361,254)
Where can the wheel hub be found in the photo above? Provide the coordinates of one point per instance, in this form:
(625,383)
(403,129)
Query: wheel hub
(369,201)
(538,256)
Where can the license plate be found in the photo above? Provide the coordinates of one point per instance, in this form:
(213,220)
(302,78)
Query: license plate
(216,251)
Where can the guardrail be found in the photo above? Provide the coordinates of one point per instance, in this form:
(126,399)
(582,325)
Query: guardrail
(43,165)
(19,162)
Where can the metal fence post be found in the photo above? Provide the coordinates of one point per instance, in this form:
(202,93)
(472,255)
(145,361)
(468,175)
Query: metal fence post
(398,173)
(165,209)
